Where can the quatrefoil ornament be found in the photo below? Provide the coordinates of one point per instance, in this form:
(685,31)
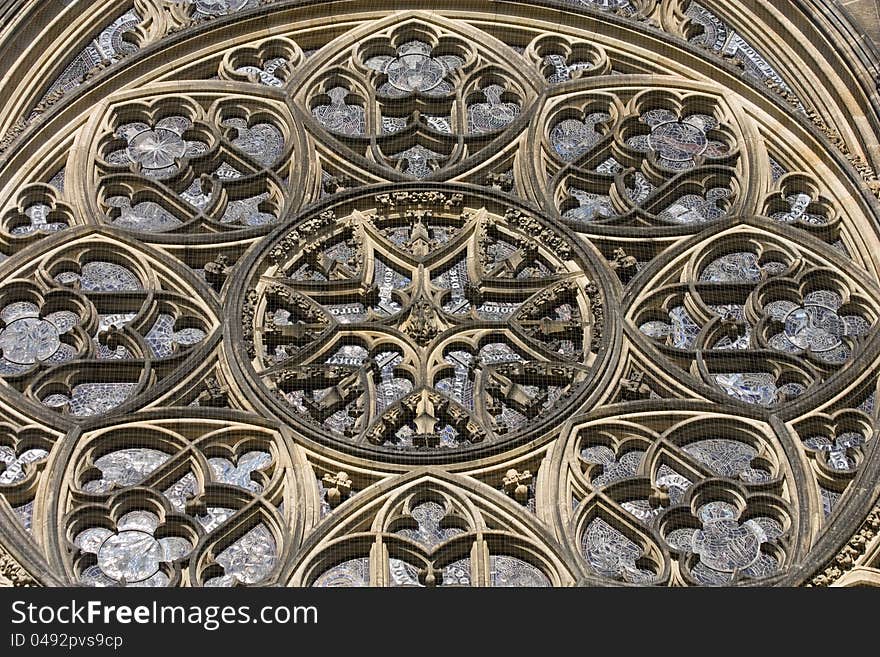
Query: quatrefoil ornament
(726,545)
(131,555)
(30,338)
(158,149)
(414,69)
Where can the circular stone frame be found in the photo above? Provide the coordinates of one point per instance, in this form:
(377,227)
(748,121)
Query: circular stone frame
(609,330)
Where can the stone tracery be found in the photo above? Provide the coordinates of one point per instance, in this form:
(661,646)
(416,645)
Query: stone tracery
(448,271)
(463,325)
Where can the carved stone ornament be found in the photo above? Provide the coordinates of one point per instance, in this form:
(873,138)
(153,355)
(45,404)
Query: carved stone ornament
(558,293)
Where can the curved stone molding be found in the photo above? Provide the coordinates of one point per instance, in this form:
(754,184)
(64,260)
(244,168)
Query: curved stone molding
(570,292)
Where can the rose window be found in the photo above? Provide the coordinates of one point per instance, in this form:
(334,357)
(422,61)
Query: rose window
(306,294)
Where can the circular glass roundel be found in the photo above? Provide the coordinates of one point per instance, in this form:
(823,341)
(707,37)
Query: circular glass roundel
(423,322)
(415,72)
(132,556)
(27,340)
(156,149)
(678,141)
(814,327)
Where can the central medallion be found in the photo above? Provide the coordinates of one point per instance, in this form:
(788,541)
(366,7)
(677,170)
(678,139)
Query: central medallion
(419,321)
